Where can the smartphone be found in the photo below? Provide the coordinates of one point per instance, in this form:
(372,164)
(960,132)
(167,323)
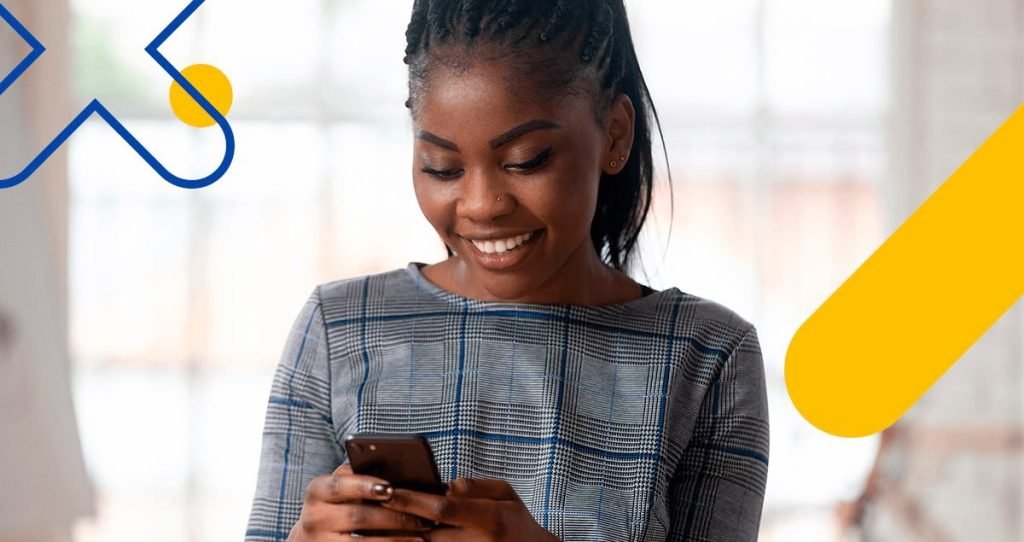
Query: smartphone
(403,459)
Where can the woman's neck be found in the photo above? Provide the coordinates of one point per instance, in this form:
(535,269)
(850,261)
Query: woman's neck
(583,280)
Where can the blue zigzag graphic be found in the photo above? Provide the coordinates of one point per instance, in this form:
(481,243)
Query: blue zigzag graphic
(96,107)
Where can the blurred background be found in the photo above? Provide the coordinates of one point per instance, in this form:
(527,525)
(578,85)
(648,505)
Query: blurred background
(140,323)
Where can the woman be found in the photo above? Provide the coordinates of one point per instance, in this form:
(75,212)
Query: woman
(562,399)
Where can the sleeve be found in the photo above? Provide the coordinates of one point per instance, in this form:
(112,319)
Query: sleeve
(298,433)
(717,490)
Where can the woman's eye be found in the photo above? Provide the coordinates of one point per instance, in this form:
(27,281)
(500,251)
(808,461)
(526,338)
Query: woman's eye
(444,174)
(449,174)
(533,163)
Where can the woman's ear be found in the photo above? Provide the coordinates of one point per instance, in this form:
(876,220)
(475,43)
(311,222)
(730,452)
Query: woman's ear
(619,133)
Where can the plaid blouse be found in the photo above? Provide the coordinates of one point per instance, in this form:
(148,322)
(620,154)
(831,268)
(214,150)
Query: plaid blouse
(645,420)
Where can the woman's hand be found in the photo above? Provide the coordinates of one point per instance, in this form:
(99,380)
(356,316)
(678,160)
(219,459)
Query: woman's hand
(334,508)
(473,510)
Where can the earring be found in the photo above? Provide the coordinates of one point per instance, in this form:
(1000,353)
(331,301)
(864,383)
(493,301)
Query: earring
(499,198)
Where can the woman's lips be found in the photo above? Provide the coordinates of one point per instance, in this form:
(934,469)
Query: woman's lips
(504,260)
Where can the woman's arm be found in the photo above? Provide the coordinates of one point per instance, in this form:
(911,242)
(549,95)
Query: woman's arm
(298,433)
(718,488)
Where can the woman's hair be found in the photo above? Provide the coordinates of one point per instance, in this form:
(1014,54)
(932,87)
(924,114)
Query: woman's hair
(555,47)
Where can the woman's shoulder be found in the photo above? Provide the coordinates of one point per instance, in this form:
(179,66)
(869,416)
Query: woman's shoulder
(712,312)
(393,289)
(394,280)
(683,310)
(711,326)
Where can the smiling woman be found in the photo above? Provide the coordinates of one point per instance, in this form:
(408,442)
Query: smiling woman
(546,169)
(563,400)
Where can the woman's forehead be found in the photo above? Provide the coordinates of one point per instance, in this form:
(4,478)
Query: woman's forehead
(485,92)
(471,126)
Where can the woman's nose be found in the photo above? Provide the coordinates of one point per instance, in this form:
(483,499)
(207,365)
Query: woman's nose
(484,196)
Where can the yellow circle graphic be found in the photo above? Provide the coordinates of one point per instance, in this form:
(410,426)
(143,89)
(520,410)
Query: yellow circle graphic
(212,84)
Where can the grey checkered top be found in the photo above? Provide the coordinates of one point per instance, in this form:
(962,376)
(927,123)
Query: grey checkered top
(644,420)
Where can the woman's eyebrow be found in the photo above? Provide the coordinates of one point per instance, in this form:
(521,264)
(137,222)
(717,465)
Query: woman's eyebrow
(522,130)
(503,139)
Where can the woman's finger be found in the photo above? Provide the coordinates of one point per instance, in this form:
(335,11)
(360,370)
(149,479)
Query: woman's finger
(447,534)
(455,511)
(333,488)
(482,488)
(362,517)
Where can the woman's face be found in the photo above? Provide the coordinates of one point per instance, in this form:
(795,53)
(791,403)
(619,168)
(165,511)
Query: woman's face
(478,140)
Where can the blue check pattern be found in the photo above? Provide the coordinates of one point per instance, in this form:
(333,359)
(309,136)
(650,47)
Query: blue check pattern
(641,421)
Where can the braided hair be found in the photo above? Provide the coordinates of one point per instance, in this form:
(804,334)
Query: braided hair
(563,46)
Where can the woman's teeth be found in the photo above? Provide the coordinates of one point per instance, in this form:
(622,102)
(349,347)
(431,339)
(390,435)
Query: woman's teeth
(502,245)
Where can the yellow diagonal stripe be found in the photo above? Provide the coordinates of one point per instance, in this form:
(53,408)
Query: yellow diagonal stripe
(920,301)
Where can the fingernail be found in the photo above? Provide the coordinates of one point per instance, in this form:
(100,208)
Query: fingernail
(382,490)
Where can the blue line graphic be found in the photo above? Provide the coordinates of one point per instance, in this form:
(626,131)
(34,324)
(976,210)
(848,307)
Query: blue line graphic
(37,49)
(95,107)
